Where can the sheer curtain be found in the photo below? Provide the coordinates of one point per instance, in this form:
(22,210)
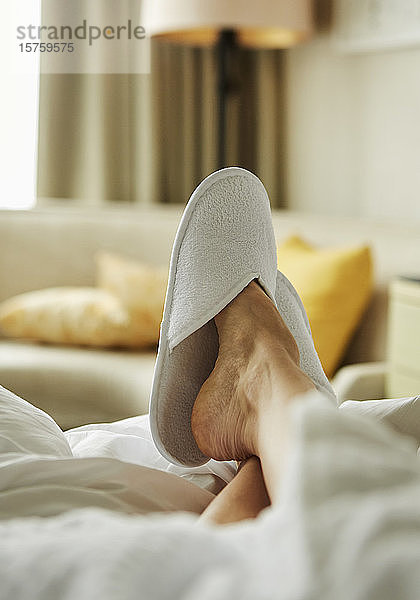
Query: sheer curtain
(94,131)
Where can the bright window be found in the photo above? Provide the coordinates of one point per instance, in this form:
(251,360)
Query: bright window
(18,111)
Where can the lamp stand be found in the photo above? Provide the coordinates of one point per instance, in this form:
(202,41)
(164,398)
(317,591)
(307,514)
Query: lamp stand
(225,48)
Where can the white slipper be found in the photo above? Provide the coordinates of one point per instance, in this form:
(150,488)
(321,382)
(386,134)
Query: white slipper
(224,241)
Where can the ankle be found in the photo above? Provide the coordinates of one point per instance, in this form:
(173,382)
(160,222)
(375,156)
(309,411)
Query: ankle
(288,381)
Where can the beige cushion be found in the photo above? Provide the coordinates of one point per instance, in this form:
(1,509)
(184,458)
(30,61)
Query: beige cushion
(141,290)
(126,310)
(85,316)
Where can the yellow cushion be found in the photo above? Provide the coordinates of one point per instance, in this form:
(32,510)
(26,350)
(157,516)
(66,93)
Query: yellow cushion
(141,290)
(335,285)
(85,316)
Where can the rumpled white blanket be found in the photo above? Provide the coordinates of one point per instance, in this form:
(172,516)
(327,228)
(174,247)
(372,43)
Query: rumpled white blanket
(130,440)
(347,527)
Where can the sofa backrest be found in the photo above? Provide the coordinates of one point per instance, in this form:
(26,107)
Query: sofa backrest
(56,247)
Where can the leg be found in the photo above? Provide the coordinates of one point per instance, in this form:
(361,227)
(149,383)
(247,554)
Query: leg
(349,518)
(243,498)
(242,408)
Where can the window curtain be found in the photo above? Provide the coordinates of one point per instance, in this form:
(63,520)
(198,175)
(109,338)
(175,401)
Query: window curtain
(95,138)
(152,138)
(184,104)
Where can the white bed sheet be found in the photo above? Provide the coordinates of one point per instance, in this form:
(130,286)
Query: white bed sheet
(130,440)
(347,527)
(39,474)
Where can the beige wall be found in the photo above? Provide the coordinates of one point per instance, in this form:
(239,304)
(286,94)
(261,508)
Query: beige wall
(353,131)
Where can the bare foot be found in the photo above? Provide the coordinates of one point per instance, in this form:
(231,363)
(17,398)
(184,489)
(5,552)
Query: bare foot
(255,346)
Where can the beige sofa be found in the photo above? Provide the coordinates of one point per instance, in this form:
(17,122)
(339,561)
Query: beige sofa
(56,247)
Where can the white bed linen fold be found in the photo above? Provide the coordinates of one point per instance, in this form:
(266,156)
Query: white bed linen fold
(131,440)
(39,475)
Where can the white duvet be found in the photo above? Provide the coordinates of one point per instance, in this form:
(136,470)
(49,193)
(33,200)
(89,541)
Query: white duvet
(347,526)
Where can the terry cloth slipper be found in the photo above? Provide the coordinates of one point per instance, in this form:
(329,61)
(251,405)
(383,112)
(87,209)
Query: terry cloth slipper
(224,241)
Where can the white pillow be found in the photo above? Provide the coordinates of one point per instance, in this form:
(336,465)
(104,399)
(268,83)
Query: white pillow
(27,429)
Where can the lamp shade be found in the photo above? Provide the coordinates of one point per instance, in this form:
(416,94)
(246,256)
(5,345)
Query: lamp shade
(258,23)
